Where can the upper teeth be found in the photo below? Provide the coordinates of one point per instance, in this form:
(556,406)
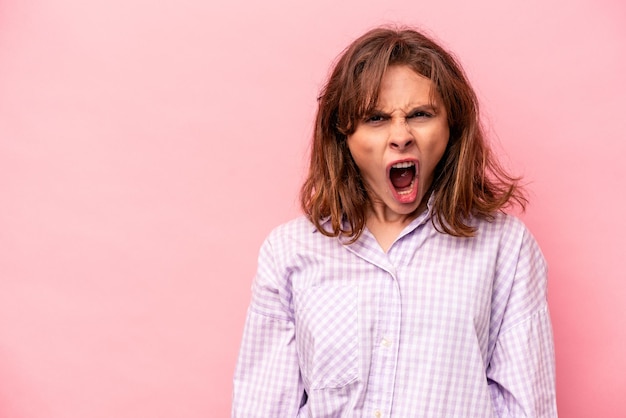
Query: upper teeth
(405,164)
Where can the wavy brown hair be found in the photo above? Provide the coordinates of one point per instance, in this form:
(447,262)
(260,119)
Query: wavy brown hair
(468,181)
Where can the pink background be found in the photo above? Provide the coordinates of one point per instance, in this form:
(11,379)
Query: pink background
(147,148)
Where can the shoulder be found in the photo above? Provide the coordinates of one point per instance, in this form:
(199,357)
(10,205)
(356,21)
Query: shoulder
(510,237)
(290,235)
(508,231)
(520,261)
(515,230)
(293,239)
(297,227)
(501,224)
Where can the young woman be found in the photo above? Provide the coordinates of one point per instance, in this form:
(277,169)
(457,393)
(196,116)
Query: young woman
(405,290)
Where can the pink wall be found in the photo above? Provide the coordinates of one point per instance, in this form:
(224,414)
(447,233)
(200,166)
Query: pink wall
(146,149)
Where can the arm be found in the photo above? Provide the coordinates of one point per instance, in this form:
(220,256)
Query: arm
(267,379)
(521,370)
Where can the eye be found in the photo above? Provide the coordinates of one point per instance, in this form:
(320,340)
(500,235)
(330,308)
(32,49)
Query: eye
(419,114)
(375,118)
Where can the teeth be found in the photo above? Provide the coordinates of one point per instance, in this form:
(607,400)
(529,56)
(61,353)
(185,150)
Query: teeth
(405,164)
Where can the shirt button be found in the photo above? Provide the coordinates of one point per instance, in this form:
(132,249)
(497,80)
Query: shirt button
(377,413)
(385,343)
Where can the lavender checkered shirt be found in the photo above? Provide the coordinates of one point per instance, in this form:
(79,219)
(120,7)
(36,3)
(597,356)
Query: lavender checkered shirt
(439,326)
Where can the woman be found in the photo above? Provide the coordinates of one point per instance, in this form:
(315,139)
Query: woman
(405,291)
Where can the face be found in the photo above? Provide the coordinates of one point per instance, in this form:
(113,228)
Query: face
(398,146)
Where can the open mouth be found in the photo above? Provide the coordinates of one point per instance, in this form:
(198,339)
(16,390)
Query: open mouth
(402,177)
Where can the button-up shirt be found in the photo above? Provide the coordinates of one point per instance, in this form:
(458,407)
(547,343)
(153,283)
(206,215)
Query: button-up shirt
(439,326)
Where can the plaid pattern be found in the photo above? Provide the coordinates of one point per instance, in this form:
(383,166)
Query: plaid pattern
(437,327)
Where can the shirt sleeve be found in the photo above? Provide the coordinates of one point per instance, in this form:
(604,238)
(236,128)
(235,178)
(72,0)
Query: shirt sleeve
(267,380)
(521,371)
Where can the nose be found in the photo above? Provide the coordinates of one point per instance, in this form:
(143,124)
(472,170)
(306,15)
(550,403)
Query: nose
(400,135)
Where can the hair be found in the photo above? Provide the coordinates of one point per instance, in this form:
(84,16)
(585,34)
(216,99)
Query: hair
(468,181)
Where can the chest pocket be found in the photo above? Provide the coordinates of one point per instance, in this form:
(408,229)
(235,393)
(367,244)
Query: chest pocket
(327,335)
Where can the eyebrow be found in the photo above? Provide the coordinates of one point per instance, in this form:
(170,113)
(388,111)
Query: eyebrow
(425,107)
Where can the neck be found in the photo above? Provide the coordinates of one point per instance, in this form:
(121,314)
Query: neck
(386,225)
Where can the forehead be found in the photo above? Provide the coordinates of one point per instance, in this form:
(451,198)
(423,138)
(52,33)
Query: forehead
(403,86)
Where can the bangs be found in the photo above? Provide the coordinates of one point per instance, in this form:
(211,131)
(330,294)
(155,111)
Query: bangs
(360,94)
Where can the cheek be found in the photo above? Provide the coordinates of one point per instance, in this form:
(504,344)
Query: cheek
(360,154)
(441,150)
(435,153)
(440,143)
